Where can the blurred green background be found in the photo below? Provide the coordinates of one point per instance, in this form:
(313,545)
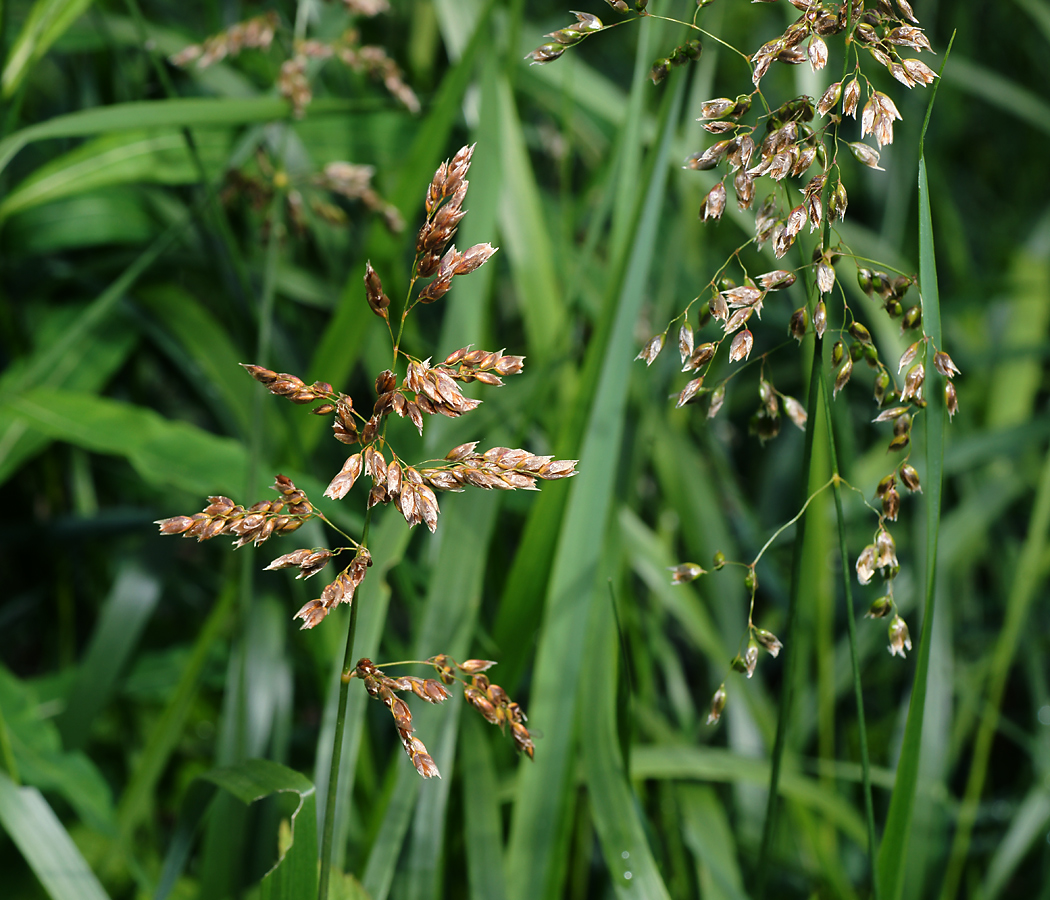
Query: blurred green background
(136,272)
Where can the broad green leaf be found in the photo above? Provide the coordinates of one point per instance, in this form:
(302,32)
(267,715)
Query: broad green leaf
(165,453)
(42,762)
(121,158)
(35,829)
(294,875)
(120,215)
(87,369)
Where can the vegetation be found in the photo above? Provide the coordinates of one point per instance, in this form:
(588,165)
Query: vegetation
(186,190)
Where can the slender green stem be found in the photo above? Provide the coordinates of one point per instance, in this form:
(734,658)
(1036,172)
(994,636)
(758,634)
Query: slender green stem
(328,829)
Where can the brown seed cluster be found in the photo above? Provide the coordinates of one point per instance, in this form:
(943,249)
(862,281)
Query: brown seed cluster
(384,688)
(339,591)
(253,34)
(292,82)
(253,525)
(489,699)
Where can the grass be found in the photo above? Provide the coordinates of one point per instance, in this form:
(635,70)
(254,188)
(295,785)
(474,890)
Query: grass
(138,677)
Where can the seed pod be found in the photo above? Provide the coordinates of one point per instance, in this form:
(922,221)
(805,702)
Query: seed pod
(685,572)
(943,363)
(866,564)
(882,383)
(899,637)
(912,318)
(718,703)
(652,349)
(714,203)
(913,381)
(910,478)
(865,155)
(951,399)
(769,641)
(377,300)
(842,377)
(704,353)
(545,53)
(891,504)
(880,608)
(715,109)
(838,353)
(718,396)
(660,70)
(829,100)
(799,324)
(689,392)
(741,346)
(820,318)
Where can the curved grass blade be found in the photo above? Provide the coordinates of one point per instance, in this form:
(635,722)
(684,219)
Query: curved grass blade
(897,833)
(46,23)
(35,829)
(116,159)
(294,875)
(226,112)
(124,615)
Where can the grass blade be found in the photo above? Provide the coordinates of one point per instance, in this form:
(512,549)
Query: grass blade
(897,833)
(124,615)
(538,847)
(35,829)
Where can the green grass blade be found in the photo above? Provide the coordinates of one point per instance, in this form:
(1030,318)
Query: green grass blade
(124,615)
(137,799)
(1029,573)
(226,112)
(716,764)
(466,526)
(389,541)
(37,757)
(615,809)
(897,832)
(708,834)
(481,814)
(525,235)
(538,851)
(1026,830)
(47,21)
(35,829)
